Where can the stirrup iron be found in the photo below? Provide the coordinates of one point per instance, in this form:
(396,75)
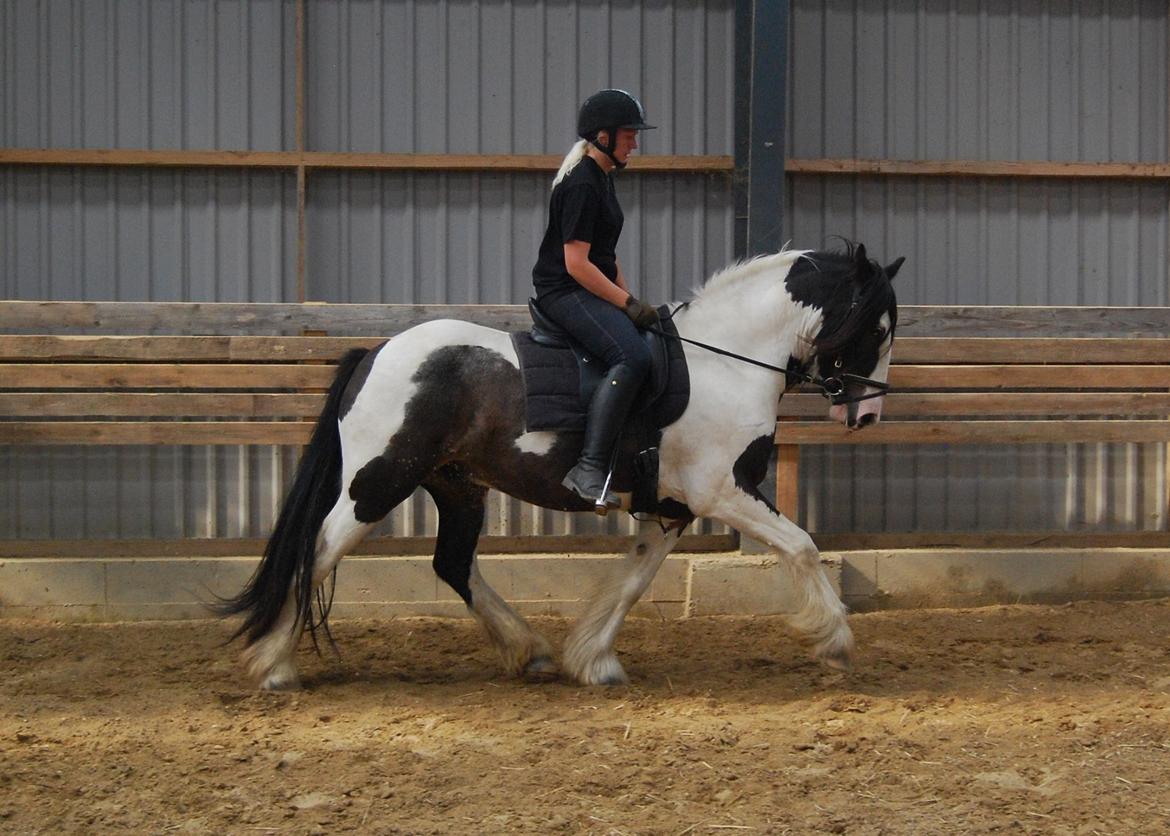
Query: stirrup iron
(600,506)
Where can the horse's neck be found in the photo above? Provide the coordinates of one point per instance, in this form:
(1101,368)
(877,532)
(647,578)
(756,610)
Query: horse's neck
(755,318)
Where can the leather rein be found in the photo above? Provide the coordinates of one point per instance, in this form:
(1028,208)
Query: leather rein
(832,387)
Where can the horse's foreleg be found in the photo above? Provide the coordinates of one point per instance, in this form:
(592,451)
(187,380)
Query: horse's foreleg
(461,508)
(819,612)
(589,655)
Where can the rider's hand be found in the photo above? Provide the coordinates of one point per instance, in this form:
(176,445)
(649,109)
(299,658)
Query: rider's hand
(643,315)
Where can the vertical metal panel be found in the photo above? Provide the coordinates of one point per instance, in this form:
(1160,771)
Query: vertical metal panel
(195,74)
(472,238)
(147,234)
(968,79)
(453,76)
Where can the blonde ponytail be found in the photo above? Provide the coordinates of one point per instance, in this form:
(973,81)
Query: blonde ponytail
(571,159)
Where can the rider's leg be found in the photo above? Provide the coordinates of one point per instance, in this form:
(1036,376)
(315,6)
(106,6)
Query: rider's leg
(607,333)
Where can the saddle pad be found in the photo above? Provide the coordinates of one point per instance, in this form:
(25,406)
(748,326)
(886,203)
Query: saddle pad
(552,385)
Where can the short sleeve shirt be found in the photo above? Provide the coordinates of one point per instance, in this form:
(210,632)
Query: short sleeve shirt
(583,207)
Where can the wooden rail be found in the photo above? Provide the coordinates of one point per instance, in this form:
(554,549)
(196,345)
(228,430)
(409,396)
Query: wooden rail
(246,373)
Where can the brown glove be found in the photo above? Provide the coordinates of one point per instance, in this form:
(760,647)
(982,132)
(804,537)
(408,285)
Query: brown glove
(643,315)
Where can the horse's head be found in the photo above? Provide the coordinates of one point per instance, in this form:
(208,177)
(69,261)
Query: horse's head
(859,317)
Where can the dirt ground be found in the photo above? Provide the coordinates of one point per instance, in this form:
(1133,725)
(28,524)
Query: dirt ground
(1030,719)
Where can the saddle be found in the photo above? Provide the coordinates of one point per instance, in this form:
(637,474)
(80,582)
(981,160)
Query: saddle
(559,380)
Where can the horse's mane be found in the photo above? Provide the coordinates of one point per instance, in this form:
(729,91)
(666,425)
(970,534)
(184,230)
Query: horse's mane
(743,270)
(838,266)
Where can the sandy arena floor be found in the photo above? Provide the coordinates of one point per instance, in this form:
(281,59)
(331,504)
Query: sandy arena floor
(1006,719)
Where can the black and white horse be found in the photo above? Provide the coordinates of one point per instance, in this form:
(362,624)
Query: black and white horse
(442,406)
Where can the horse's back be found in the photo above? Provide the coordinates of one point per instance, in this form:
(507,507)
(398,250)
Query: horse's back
(427,337)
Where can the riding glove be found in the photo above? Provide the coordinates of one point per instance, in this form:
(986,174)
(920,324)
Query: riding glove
(643,315)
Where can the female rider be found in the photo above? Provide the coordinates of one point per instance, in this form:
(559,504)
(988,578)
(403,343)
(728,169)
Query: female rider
(580,284)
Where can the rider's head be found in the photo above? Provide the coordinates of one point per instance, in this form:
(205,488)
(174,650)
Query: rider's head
(610,121)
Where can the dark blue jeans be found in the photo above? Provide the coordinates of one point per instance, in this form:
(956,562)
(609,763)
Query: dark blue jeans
(603,329)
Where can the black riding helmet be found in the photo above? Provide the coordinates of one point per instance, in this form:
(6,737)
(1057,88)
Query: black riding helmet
(609,110)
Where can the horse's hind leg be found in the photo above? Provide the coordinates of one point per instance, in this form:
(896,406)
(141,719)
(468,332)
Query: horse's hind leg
(271,660)
(461,508)
(376,488)
(589,655)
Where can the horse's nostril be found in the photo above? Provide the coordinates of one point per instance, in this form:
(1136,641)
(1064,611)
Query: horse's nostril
(866,420)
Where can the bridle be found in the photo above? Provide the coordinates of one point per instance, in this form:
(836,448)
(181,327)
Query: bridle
(834,387)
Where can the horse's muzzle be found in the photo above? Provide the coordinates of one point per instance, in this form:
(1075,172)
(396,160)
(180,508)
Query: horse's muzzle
(858,414)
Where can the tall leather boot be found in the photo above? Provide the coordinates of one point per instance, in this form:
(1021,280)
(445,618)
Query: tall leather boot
(607,413)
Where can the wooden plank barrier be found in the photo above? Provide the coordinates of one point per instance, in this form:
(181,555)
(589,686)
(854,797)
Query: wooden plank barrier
(103,373)
(140,373)
(1026,376)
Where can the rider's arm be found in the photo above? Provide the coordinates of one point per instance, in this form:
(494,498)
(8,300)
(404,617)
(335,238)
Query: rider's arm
(589,277)
(620,281)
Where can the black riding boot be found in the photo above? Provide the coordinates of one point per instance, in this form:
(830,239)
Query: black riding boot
(607,412)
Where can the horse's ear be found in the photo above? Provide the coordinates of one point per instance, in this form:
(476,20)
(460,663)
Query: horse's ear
(861,260)
(893,268)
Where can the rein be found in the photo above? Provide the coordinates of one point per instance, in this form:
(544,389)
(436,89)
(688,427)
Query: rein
(832,387)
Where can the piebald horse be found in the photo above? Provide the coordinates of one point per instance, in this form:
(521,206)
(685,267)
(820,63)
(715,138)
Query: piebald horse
(441,405)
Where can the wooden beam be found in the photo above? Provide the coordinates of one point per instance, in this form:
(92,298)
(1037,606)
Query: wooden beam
(342,160)
(1049,376)
(1029,349)
(987,404)
(164,349)
(983,321)
(163,376)
(695,164)
(981,168)
(155,432)
(388,546)
(1094,540)
(32,405)
(226,318)
(975,432)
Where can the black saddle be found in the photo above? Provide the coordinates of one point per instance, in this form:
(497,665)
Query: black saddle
(559,380)
(560,376)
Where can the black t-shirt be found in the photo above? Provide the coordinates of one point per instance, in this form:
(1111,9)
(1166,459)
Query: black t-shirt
(583,207)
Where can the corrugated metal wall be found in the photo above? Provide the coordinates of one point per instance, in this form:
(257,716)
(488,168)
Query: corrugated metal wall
(966,79)
(385,75)
(1012,80)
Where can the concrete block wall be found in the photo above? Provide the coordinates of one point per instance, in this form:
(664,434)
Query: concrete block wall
(140,588)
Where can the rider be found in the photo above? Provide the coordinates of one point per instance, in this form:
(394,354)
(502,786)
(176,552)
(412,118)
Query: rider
(580,284)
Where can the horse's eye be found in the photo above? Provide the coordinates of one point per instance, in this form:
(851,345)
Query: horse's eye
(879,332)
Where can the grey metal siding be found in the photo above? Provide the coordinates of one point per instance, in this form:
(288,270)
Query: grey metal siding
(1013,80)
(472,238)
(491,77)
(192,74)
(445,76)
(976,80)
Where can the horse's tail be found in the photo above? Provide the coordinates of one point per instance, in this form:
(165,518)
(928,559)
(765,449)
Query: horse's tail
(288,557)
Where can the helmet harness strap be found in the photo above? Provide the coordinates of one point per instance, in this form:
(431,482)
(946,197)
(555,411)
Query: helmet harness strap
(608,148)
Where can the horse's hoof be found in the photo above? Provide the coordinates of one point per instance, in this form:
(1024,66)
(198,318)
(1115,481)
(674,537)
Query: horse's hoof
(541,669)
(615,681)
(607,671)
(279,684)
(839,661)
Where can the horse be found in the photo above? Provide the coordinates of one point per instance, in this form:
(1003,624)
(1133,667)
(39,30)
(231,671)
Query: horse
(441,405)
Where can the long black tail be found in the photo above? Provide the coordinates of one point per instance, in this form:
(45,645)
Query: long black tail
(288,557)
